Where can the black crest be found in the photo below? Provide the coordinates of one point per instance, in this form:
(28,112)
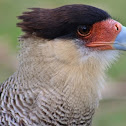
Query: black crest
(58,22)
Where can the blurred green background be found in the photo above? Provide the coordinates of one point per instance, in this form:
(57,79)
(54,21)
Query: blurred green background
(112,109)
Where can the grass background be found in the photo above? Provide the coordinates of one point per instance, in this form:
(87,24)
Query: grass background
(111,112)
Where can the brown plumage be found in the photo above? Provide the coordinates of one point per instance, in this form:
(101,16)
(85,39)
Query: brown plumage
(59,78)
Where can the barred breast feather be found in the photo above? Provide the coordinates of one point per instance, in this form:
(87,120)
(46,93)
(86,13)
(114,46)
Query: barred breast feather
(38,107)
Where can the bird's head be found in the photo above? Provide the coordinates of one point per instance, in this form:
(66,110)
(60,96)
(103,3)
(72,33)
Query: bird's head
(70,47)
(91,28)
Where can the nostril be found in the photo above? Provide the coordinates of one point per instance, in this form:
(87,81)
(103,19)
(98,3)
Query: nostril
(116,27)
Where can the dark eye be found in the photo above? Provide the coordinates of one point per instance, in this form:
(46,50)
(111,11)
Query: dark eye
(84,30)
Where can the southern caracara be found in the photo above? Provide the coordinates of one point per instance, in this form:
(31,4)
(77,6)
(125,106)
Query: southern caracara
(64,53)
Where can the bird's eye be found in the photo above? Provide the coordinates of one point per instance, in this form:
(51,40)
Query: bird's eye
(84,30)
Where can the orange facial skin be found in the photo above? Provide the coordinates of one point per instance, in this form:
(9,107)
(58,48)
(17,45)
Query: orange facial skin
(102,35)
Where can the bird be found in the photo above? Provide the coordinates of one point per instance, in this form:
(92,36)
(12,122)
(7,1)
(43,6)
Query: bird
(64,53)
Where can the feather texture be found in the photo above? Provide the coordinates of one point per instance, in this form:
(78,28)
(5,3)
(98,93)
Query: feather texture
(53,85)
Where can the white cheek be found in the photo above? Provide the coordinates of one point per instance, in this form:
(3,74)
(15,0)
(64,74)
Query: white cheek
(105,58)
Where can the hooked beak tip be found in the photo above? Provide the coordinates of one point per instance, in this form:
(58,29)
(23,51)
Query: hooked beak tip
(120,41)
